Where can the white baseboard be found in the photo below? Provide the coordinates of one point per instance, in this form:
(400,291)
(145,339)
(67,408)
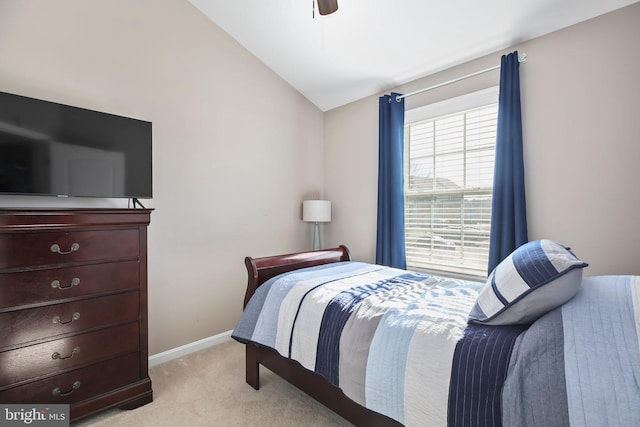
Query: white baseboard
(186,349)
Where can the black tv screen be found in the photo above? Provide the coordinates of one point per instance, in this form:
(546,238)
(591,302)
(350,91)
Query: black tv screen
(48,148)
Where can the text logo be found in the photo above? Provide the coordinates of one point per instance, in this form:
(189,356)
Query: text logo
(34,415)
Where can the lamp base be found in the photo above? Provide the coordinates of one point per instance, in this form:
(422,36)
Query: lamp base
(316,237)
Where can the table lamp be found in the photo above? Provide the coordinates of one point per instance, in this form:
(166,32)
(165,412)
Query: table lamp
(316,211)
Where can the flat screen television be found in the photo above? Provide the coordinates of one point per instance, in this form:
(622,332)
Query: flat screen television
(53,149)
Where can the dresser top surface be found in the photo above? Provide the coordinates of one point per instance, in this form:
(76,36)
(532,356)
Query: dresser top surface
(21,218)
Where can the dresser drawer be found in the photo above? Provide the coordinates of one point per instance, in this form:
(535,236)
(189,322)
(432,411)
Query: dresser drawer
(48,286)
(19,327)
(57,247)
(67,353)
(90,381)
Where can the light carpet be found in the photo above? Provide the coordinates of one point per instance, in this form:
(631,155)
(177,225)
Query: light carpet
(207,388)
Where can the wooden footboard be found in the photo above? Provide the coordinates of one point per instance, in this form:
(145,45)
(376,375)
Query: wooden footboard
(262,269)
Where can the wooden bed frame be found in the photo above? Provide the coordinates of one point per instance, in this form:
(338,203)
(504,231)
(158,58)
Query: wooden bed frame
(260,270)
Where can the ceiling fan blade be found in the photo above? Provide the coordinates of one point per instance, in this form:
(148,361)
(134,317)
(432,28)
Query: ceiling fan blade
(325,7)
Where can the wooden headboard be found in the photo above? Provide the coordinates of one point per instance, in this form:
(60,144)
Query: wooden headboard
(260,270)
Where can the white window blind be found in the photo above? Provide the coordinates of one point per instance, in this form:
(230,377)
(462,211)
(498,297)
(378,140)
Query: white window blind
(448,185)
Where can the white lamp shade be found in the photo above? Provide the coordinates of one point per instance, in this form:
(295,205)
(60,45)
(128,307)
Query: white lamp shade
(316,211)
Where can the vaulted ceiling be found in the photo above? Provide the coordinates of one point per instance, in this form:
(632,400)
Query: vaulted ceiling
(370,46)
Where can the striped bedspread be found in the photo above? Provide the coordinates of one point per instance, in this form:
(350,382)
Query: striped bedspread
(480,364)
(579,365)
(385,336)
(398,343)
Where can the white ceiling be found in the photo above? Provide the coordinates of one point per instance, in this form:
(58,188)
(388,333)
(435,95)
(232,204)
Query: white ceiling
(370,46)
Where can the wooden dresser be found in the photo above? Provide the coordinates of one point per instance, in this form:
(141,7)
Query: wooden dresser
(73,308)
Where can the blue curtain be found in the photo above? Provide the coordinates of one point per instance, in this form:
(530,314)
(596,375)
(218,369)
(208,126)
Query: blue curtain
(508,214)
(390,249)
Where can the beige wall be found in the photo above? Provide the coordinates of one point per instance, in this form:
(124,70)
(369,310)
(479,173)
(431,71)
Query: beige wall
(235,148)
(580,102)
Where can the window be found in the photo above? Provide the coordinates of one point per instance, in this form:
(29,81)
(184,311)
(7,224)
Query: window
(448,184)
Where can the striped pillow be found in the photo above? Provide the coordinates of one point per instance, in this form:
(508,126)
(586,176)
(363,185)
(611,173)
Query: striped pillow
(536,278)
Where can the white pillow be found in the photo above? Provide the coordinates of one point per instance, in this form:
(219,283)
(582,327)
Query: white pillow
(536,278)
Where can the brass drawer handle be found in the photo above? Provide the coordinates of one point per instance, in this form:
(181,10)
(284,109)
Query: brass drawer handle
(58,321)
(74,282)
(56,248)
(56,355)
(56,391)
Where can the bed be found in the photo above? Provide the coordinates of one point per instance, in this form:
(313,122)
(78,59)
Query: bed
(388,347)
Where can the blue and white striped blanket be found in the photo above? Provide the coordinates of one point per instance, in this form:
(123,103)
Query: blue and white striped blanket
(579,365)
(385,336)
(398,343)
